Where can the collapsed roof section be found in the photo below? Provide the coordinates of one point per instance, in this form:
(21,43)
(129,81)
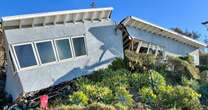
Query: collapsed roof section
(59,17)
(152,28)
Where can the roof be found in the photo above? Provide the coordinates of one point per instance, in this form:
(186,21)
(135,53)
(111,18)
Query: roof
(57,17)
(147,26)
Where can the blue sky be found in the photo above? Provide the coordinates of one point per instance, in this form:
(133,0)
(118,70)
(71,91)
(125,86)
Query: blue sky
(186,14)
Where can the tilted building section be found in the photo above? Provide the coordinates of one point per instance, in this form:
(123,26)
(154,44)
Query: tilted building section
(144,37)
(47,49)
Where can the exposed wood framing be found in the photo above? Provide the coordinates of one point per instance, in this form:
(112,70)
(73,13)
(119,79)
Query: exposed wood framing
(138,47)
(149,46)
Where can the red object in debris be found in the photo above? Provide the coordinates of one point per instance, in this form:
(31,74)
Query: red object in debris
(44,101)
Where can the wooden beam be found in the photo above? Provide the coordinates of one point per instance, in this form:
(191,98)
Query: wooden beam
(149,46)
(33,22)
(55,20)
(20,23)
(101,15)
(83,17)
(92,16)
(132,45)
(66,18)
(44,21)
(74,17)
(139,46)
(156,52)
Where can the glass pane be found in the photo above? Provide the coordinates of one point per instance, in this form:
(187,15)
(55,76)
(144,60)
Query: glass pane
(46,52)
(25,55)
(79,46)
(64,49)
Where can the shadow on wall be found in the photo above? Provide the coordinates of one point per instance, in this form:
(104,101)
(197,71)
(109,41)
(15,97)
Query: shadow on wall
(77,72)
(107,36)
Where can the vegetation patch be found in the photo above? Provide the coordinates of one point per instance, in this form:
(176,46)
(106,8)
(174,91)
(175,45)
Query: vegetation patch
(138,82)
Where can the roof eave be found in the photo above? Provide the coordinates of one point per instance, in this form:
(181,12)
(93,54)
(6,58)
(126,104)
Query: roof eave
(191,41)
(26,16)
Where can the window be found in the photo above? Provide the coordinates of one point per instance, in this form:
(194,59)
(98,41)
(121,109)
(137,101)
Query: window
(43,52)
(64,49)
(25,55)
(79,46)
(46,52)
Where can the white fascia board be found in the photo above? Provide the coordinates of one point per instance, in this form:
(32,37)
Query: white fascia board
(27,16)
(190,40)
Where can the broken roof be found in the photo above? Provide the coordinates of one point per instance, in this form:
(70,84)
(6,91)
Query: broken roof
(155,29)
(57,17)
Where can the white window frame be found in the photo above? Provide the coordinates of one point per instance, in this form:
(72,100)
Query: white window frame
(16,58)
(85,43)
(71,49)
(38,55)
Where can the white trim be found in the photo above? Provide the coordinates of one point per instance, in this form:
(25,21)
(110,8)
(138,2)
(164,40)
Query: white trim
(13,58)
(17,64)
(39,54)
(57,52)
(37,15)
(166,32)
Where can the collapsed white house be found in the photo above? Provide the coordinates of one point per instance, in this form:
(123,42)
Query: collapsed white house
(46,49)
(144,37)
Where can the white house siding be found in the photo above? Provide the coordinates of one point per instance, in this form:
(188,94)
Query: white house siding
(171,47)
(103,45)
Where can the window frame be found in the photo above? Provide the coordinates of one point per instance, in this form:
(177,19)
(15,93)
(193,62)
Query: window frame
(38,55)
(71,49)
(14,57)
(16,60)
(85,43)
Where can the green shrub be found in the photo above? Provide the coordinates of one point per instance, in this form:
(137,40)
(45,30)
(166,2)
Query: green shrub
(186,98)
(98,75)
(135,80)
(148,96)
(67,107)
(156,79)
(120,106)
(203,67)
(149,79)
(57,102)
(190,83)
(139,62)
(166,99)
(78,98)
(98,94)
(83,81)
(140,106)
(123,96)
(204,92)
(188,58)
(100,106)
(118,63)
(183,68)
(204,76)
(115,78)
(170,97)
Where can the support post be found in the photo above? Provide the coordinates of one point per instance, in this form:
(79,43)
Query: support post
(156,52)
(149,45)
(139,46)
